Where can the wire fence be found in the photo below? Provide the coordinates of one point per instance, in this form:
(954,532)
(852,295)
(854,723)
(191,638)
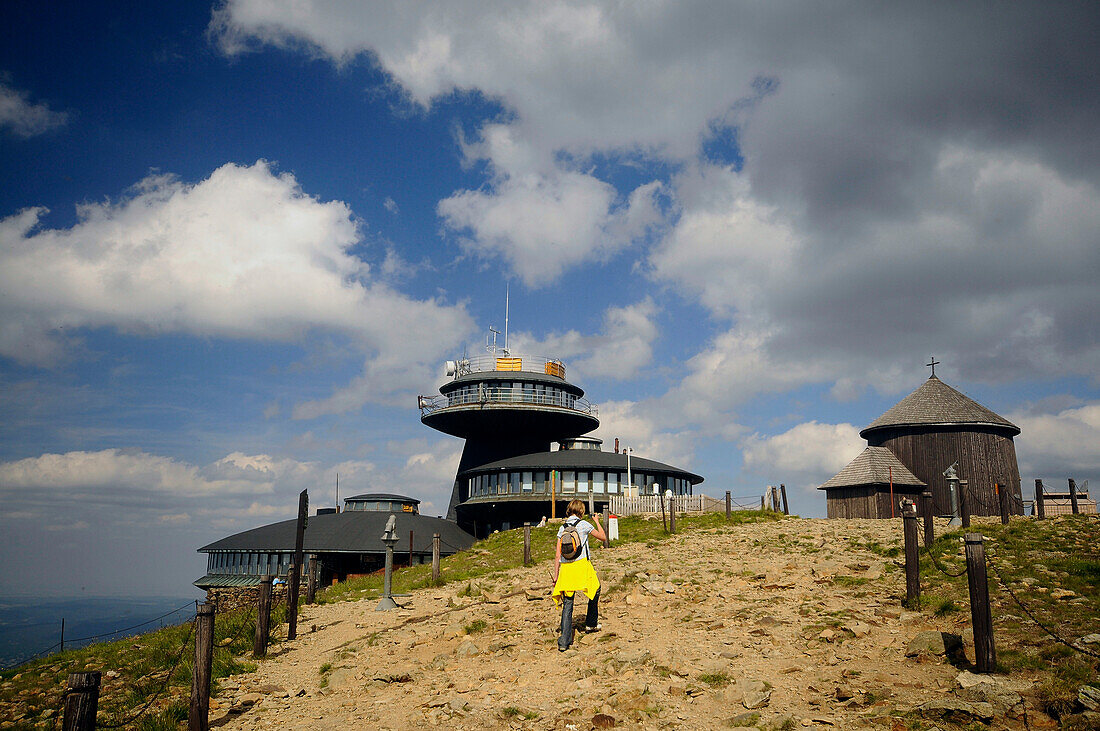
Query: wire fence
(1031,615)
(1006,587)
(163,686)
(76,640)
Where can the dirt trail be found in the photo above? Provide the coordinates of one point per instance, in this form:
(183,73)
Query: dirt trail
(799,616)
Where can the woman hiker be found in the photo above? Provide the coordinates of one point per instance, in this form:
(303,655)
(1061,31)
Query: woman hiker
(573,574)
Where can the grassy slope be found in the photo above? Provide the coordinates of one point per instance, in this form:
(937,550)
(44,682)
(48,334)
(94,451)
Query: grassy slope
(1033,560)
(1032,556)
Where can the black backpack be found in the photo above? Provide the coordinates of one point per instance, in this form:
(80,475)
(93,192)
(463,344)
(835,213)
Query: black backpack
(571,542)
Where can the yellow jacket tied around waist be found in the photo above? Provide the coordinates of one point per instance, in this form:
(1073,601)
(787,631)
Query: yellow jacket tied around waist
(576,576)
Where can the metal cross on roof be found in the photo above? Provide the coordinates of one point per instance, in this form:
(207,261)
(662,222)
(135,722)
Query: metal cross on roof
(932,364)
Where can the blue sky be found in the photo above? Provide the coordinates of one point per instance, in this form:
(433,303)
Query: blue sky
(238,239)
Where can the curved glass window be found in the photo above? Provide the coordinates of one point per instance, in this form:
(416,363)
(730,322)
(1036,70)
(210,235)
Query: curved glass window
(568,481)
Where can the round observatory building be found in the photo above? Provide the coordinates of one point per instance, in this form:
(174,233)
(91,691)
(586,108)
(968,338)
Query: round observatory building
(510,409)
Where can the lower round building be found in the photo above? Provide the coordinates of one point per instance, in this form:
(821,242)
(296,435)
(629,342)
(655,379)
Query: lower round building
(509,492)
(346,544)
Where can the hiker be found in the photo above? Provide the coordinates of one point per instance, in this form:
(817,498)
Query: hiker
(573,571)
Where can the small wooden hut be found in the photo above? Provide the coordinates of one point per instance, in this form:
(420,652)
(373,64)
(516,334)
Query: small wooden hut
(927,431)
(870,486)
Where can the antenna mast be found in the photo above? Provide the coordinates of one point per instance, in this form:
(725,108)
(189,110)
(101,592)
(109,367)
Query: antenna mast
(337,492)
(507,293)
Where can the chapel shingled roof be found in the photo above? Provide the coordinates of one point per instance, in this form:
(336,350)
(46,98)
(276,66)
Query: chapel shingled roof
(936,403)
(873,467)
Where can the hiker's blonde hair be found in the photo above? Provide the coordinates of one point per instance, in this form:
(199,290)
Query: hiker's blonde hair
(576,507)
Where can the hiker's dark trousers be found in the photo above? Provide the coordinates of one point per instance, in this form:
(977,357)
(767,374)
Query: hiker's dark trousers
(591,617)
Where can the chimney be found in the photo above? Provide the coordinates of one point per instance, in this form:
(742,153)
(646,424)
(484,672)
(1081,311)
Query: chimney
(616,445)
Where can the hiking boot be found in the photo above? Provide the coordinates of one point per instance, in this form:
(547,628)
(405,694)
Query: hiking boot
(597,628)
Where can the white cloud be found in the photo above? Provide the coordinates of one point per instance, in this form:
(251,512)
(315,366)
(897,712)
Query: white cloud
(23,118)
(1060,445)
(236,488)
(243,254)
(622,348)
(879,212)
(807,450)
(638,425)
(541,224)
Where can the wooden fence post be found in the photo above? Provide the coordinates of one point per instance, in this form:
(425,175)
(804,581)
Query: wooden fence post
(985,652)
(927,509)
(912,560)
(81,702)
(1073,496)
(198,718)
(1040,508)
(1002,496)
(661,499)
(729,508)
(672,514)
(964,502)
(263,617)
(527,544)
(607,526)
(783,492)
(311,581)
(435,558)
(294,579)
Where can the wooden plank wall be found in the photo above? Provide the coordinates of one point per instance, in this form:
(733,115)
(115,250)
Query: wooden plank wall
(985,458)
(865,501)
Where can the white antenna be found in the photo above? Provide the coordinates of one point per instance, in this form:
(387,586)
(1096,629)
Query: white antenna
(492,347)
(507,293)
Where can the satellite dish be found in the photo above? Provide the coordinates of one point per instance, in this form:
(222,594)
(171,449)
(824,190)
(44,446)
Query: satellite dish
(452,368)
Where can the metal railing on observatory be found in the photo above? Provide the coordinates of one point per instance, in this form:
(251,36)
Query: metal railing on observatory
(493,394)
(503,361)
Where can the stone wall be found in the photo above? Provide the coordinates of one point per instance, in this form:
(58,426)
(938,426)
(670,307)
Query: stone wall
(228,598)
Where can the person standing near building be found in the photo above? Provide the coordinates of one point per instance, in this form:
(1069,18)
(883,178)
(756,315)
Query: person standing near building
(574,572)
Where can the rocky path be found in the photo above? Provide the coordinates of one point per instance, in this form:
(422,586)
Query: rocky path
(772,625)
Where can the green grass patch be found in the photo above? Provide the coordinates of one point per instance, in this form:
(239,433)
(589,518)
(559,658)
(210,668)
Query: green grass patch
(504,550)
(478,625)
(152,667)
(1031,563)
(715,680)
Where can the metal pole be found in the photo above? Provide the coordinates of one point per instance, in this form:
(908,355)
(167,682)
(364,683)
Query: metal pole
(389,538)
(964,502)
(629,479)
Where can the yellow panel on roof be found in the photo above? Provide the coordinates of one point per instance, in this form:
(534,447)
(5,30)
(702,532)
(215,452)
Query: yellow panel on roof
(509,364)
(555,369)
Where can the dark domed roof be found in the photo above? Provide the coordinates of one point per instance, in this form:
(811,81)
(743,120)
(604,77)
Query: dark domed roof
(935,403)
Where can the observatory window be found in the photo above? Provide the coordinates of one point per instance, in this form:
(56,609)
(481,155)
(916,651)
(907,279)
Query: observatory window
(597,482)
(582,482)
(568,481)
(540,482)
(527,482)
(513,481)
